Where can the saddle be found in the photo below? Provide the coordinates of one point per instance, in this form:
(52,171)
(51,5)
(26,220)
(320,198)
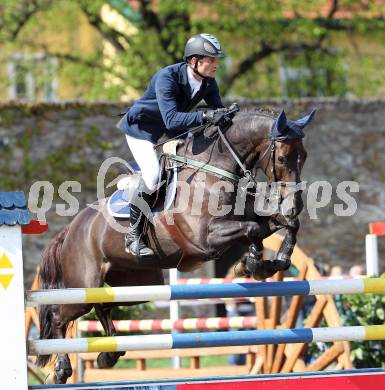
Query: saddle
(119,203)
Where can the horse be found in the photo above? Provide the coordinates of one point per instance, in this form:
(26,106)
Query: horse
(89,252)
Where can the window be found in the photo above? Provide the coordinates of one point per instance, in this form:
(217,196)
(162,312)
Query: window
(32,77)
(312,73)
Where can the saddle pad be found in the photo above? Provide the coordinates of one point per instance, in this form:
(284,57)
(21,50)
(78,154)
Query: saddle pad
(118,203)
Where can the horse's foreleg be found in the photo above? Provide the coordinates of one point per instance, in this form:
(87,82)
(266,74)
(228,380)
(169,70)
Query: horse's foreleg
(286,249)
(224,233)
(282,262)
(253,264)
(107,359)
(250,262)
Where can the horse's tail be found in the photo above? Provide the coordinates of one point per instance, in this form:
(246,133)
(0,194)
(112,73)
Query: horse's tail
(50,276)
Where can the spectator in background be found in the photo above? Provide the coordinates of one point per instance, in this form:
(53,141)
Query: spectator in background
(336,272)
(356,271)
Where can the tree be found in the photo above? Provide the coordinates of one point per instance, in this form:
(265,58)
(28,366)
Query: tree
(255,34)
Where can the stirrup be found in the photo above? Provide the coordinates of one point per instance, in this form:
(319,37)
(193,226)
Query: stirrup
(137,247)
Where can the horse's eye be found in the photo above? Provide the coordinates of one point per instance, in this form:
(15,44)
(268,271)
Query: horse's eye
(282,160)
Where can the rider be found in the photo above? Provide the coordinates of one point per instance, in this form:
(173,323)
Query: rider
(164,110)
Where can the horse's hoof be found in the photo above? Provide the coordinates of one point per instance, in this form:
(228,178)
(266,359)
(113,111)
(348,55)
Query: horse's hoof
(281,265)
(254,260)
(259,276)
(108,359)
(59,380)
(269,268)
(63,371)
(240,271)
(263,274)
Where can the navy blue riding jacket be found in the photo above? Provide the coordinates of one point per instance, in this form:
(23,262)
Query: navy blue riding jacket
(163,109)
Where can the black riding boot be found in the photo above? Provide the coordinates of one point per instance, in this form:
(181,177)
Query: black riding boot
(134,242)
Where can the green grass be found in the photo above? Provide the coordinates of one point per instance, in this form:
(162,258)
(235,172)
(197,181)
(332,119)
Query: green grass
(206,361)
(32,380)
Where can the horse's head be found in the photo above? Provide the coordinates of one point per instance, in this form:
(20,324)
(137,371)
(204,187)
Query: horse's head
(282,157)
(257,140)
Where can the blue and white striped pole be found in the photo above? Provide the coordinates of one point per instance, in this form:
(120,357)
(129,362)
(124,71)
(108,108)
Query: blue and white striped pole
(206,339)
(179,292)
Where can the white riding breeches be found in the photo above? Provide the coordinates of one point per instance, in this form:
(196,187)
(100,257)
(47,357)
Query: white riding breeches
(147,159)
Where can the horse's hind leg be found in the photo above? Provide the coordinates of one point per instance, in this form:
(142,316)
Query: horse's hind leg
(62,368)
(116,278)
(107,359)
(60,321)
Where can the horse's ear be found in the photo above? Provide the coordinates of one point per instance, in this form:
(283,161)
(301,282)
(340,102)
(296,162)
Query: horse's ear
(303,122)
(280,124)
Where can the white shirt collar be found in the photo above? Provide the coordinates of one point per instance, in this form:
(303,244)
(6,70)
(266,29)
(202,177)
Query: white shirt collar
(194,83)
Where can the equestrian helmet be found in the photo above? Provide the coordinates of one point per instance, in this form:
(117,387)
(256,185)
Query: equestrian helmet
(203,45)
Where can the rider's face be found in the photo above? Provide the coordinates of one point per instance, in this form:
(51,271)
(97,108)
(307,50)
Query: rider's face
(207,66)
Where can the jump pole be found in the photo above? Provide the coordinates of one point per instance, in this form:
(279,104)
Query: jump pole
(182,292)
(206,339)
(205,323)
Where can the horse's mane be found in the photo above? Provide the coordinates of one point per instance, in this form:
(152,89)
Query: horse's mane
(251,118)
(258,111)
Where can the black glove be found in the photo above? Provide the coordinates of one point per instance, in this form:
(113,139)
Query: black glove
(216,117)
(232,110)
(221,116)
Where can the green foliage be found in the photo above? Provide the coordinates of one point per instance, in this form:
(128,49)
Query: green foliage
(361,310)
(258,36)
(358,310)
(316,73)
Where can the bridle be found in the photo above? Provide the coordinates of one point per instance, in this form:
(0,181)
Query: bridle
(248,177)
(271,151)
(247,173)
(270,148)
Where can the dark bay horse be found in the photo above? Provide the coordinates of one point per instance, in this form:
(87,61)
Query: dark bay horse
(90,252)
